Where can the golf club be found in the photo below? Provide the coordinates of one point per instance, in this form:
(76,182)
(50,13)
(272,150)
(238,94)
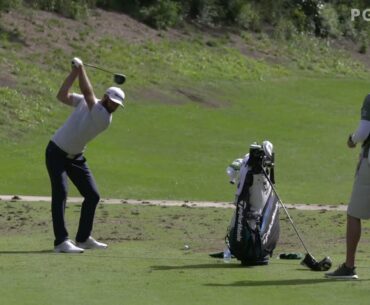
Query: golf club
(117,78)
(308,261)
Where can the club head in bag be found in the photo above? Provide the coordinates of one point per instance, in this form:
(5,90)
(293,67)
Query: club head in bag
(310,262)
(119,79)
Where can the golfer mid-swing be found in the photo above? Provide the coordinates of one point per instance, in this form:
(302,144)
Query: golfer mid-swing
(64,157)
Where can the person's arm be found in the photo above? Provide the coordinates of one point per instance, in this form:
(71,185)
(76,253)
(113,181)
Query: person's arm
(86,87)
(363,130)
(63,94)
(361,134)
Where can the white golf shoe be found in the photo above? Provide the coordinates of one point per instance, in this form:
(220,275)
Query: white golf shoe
(91,243)
(68,247)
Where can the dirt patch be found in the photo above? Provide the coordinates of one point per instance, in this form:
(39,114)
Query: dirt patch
(168,203)
(179,96)
(353,49)
(202,98)
(40,31)
(156,95)
(252,51)
(7,80)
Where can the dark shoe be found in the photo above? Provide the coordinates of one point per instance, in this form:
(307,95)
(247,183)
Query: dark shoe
(343,272)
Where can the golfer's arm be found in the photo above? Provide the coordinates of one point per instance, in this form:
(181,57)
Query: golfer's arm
(86,88)
(63,94)
(362,132)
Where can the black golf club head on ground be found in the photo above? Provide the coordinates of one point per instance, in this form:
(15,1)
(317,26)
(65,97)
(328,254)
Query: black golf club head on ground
(310,262)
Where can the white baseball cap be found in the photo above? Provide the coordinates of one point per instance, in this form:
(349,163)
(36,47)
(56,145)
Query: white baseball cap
(116,95)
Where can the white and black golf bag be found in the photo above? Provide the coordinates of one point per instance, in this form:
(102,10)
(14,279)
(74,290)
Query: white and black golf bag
(254,229)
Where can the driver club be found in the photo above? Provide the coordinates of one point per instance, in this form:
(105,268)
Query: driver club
(117,78)
(308,261)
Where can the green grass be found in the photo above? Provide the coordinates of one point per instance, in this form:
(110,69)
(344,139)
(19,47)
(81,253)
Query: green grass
(191,109)
(307,54)
(155,150)
(146,262)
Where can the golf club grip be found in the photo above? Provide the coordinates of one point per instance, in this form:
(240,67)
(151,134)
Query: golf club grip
(285,210)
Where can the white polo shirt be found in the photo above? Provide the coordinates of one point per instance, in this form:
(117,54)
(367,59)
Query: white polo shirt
(82,126)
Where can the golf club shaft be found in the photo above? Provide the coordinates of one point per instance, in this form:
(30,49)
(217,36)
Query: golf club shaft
(98,68)
(286,211)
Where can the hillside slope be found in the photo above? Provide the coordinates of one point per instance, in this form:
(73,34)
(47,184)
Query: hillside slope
(196,99)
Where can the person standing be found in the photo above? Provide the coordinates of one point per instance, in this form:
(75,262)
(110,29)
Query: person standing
(359,204)
(64,156)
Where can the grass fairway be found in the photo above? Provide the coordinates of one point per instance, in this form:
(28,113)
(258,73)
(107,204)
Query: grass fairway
(161,151)
(194,104)
(146,262)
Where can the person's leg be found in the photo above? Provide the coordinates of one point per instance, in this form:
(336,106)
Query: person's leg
(55,165)
(83,179)
(352,238)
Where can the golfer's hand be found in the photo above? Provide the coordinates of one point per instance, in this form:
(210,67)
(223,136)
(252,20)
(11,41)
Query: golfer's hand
(77,63)
(350,143)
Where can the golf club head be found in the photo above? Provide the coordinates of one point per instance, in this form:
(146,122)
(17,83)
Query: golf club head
(310,262)
(119,79)
(325,264)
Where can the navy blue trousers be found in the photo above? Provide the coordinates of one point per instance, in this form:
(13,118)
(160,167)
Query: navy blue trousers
(60,166)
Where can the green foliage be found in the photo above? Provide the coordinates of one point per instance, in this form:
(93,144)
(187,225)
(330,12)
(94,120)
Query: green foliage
(76,9)
(161,15)
(241,13)
(9,4)
(364,42)
(329,18)
(15,107)
(199,9)
(329,21)
(285,30)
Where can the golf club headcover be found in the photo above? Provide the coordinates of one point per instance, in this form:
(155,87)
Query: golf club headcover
(310,262)
(76,62)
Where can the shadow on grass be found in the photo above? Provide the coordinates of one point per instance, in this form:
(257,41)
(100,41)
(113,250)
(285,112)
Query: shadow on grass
(27,252)
(200,266)
(292,282)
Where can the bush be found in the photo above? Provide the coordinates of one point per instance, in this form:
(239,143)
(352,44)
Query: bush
(161,15)
(285,29)
(75,9)
(203,11)
(363,38)
(329,21)
(249,18)
(72,9)
(8,4)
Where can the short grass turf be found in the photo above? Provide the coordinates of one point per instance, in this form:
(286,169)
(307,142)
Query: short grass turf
(146,262)
(193,106)
(162,151)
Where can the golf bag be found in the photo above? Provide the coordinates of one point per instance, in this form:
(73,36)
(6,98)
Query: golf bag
(254,229)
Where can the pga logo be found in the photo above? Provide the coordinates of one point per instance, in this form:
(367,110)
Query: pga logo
(365,14)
